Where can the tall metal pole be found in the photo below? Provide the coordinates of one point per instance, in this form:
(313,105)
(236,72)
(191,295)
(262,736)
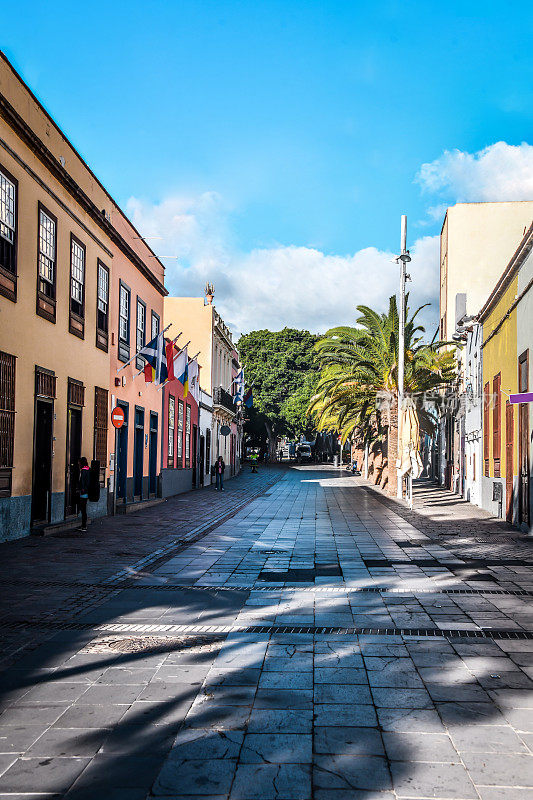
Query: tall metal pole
(401,346)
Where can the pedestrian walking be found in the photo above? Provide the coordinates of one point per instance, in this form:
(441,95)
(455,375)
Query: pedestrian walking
(84,491)
(219,474)
(253,459)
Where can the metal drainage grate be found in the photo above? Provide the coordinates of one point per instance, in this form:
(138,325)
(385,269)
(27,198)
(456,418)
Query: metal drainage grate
(156,644)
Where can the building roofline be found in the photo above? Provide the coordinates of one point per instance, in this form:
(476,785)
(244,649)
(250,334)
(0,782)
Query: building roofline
(6,111)
(517,259)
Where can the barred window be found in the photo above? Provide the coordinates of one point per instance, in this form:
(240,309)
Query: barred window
(47,253)
(7,421)
(141,331)
(171,424)
(180,433)
(77,276)
(7,208)
(188,437)
(124,314)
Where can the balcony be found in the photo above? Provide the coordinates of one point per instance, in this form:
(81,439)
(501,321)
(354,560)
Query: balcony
(223,399)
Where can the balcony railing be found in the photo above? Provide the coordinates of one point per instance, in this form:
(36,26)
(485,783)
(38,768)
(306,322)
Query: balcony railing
(223,398)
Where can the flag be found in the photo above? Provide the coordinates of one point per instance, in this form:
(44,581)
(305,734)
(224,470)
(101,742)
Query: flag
(248,398)
(181,370)
(239,386)
(155,369)
(194,379)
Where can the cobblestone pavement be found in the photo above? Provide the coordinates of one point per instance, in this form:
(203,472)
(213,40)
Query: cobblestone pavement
(318,641)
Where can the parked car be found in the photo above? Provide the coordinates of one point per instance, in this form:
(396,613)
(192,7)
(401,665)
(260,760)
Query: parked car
(304,453)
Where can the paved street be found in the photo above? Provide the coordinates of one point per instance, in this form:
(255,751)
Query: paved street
(300,636)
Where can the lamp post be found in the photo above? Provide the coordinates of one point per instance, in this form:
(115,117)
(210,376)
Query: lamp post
(403,259)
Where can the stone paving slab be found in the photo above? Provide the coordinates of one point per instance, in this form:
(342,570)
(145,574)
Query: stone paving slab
(131,707)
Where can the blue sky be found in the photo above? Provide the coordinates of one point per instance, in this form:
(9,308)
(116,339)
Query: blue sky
(249,134)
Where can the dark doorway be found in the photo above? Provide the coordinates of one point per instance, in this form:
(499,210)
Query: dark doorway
(42,461)
(201,465)
(138,453)
(73,456)
(122,455)
(523,441)
(509,460)
(152,456)
(194,459)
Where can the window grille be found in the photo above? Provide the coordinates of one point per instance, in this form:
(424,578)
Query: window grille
(77,273)
(47,253)
(45,383)
(180,433)
(7,208)
(124,314)
(7,413)
(76,392)
(100,429)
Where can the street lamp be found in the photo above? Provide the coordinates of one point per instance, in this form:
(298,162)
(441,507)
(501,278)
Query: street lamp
(403,259)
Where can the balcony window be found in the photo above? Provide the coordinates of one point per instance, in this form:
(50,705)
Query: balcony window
(102,307)
(8,235)
(140,339)
(77,287)
(124,323)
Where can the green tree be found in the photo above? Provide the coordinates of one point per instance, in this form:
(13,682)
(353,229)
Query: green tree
(359,365)
(282,368)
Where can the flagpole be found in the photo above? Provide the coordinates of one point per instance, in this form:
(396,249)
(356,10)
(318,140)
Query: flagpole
(173,361)
(172,342)
(142,348)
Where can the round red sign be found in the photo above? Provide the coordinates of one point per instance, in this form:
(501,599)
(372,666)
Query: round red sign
(117,417)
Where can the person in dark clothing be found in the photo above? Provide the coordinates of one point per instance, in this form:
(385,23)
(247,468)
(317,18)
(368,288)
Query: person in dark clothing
(219,473)
(84,491)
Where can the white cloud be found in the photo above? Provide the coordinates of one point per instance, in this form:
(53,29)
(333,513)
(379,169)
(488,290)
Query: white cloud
(496,173)
(280,285)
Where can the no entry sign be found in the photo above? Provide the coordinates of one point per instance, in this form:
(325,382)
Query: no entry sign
(117,417)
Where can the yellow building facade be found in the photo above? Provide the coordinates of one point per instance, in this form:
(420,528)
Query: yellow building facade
(65,250)
(503,420)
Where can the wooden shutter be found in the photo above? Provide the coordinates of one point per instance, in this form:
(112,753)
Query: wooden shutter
(496,425)
(76,392)
(100,428)
(45,383)
(7,421)
(486,431)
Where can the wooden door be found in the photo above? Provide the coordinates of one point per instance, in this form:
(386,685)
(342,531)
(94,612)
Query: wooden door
(509,459)
(523,441)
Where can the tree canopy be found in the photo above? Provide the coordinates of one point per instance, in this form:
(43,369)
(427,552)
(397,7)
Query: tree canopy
(282,368)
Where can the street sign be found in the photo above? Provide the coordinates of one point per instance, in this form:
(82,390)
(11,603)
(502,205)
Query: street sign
(225,430)
(523,397)
(117,417)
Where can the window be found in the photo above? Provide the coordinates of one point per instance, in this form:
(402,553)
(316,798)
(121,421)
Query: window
(8,235)
(77,287)
(171,424)
(7,421)
(46,265)
(124,323)
(100,430)
(496,425)
(140,339)
(155,324)
(188,437)
(47,253)
(486,433)
(180,433)
(102,307)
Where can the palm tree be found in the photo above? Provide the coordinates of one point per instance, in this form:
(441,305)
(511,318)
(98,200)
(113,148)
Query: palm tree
(359,368)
